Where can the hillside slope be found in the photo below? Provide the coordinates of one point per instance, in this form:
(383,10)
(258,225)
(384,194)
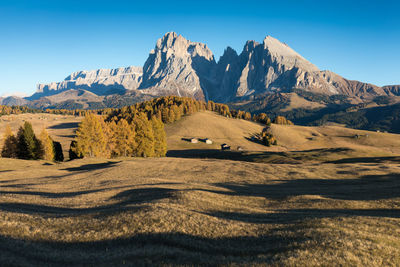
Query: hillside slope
(215,127)
(295,142)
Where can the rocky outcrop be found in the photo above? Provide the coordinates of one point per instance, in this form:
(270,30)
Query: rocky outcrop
(100,82)
(178,66)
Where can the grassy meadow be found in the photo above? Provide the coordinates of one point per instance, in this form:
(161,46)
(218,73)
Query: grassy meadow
(322,197)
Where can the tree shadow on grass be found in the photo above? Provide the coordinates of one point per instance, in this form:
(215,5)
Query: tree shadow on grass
(289,216)
(65,125)
(153,248)
(290,157)
(269,157)
(58,195)
(368,187)
(126,200)
(367,160)
(91,167)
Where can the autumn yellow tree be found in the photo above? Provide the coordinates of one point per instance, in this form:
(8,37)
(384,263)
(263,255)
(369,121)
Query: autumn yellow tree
(144,137)
(109,130)
(90,138)
(160,138)
(282,120)
(124,139)
(48,146)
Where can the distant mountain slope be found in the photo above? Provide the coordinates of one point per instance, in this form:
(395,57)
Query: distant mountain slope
(100,82)
(13,101)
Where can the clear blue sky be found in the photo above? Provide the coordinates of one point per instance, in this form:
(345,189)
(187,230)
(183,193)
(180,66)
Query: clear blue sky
(44,41)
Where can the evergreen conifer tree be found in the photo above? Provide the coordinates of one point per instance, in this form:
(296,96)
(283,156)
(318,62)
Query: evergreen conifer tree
(10,144)
(58,156)
(28,146)
(73,151)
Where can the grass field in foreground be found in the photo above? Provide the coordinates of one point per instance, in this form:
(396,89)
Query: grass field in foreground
(323,196)
(199,211)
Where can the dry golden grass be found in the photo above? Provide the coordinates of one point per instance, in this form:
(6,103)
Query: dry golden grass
(194,211)
(60,127)
(299,102)
(216,127)
(328,205)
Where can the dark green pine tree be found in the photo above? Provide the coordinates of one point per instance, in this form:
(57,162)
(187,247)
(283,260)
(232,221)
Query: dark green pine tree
(28,146)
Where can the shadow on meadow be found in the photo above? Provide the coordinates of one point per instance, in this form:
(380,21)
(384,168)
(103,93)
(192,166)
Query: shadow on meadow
(132,199)
(367,187)
(152,248)
(290,157)
(92,167)
(65,125)
(289,216)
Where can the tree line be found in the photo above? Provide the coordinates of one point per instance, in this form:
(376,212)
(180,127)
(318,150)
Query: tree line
(98,137)
(136,130)
(168,109)
(26,145)
(8,110)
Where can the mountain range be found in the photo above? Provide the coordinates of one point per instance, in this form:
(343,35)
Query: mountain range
(266,77)
(177,66)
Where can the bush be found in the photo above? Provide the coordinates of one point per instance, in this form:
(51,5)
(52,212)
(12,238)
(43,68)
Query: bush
(267,138)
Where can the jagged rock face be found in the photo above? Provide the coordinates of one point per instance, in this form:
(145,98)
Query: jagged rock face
(102,81)
(178,67)
(274,67)
(270,66)
(226,75)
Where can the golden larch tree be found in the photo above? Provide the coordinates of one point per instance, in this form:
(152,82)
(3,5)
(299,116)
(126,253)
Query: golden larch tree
(144,137)
(160,138)
(125,139)
(48,147)
(90,138)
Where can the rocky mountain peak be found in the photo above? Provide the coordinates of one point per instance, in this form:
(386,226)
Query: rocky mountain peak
(178,66)
(286,55)
(229,52)
(250,45)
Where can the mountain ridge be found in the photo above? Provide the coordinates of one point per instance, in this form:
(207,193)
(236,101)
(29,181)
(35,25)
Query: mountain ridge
(177,66)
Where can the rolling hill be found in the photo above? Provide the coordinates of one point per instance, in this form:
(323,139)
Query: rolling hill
(323,196)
